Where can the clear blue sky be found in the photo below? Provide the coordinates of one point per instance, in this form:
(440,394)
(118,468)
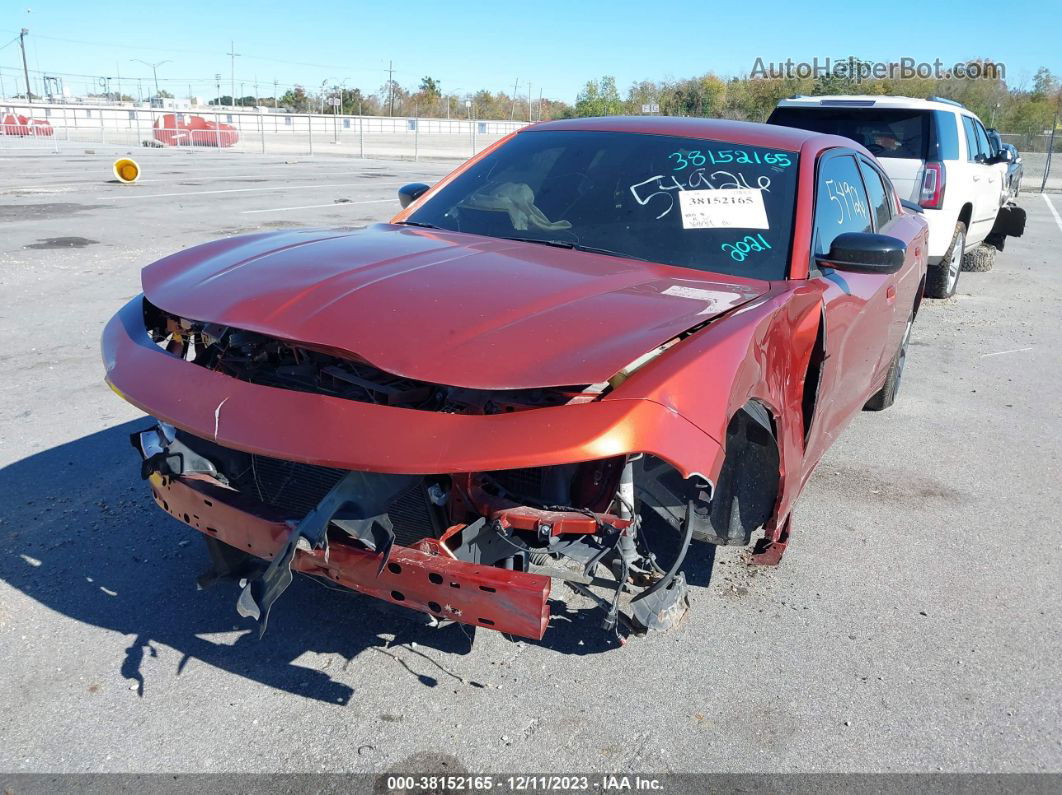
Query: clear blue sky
(468,45)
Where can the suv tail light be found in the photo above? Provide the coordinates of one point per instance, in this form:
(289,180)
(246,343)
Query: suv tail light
(931,196)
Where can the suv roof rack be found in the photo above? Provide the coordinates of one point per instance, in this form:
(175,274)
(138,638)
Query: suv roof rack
(848,103)
(948,101)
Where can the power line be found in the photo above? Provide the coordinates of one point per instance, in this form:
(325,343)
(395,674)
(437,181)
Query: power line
(114,45)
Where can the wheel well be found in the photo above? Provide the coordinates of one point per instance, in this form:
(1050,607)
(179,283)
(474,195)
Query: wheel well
(741,501)
(747,490)
(965,214)
(813,377)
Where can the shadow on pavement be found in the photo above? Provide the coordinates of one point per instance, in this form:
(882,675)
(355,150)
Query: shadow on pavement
(81,535)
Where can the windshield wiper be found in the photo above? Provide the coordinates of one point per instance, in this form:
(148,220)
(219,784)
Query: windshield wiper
(578,247)
(609,252)
(419,223)
(543,241)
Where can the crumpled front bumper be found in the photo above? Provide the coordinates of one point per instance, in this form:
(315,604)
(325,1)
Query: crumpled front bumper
(334,432)
(423,577)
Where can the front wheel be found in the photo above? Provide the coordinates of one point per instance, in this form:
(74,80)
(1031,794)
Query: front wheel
(886,396)
(942,278)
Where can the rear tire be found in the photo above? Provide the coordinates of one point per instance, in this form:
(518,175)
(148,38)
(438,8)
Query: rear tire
(980,260)
(886,396)
(943,278)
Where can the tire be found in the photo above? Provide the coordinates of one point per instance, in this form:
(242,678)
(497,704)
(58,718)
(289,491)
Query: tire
(886,396)
(943,278)
(980,260)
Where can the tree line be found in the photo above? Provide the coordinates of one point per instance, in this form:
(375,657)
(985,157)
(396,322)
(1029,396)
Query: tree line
(1014,109)
(1028,109)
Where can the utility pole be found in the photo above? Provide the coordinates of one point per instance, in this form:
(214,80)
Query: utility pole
(529,116)
(154,71)
(25,69)
(335,113)
(217,82)
(512,113)
(256,90)
(276,87)
(540,104)
(390,86)
(232,74)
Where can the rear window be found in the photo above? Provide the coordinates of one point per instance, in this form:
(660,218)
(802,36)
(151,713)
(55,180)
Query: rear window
(885,132)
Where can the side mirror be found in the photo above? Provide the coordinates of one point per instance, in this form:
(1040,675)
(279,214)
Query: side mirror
(408,194)
(865,252)
(1004,156)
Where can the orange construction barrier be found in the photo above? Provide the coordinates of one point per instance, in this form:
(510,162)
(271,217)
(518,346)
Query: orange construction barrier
(24,126)
(197,131)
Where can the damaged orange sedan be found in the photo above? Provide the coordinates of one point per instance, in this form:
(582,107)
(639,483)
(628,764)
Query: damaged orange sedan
(594,344)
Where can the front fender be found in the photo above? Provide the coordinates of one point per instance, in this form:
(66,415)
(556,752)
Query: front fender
(758,352)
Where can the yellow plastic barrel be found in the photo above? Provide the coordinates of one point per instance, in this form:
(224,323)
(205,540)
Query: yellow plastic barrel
(126,170)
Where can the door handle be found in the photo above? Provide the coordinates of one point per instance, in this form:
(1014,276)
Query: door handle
(976,178)
(890,294)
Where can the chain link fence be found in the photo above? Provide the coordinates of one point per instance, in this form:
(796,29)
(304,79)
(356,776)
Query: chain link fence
(67,126)
(62,126)
(1038,156)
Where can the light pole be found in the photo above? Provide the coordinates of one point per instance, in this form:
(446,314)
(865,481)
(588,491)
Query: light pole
(154,72)
(323,84)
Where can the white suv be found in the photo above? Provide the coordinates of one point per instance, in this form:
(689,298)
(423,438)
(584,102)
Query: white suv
(938,156)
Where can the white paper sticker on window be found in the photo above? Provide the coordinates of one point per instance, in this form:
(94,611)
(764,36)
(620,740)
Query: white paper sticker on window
(740,208)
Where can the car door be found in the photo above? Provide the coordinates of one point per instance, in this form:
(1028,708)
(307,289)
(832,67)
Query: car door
(888,220)
(858,307)
(986,188)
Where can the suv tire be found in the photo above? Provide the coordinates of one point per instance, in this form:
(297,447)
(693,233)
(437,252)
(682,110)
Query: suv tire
(943,278)
(980,259)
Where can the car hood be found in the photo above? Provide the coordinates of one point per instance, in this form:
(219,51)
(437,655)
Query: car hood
(444,307)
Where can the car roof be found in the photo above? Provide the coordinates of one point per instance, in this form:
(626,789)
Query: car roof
(857,101)
(734,132)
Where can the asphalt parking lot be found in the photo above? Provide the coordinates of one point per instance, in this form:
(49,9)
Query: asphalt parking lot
(913,625)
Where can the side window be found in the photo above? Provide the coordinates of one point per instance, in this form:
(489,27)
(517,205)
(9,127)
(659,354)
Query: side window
(880,195)
(840,202)
(983,147)
(971,138)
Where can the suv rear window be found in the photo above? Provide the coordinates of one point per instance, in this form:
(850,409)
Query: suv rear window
(885,132)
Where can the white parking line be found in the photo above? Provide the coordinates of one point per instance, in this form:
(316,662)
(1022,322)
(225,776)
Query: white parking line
(242,190)
(313,206)
(1000,353)
(1054,212)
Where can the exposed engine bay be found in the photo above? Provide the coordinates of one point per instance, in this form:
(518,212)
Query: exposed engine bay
(527,520)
